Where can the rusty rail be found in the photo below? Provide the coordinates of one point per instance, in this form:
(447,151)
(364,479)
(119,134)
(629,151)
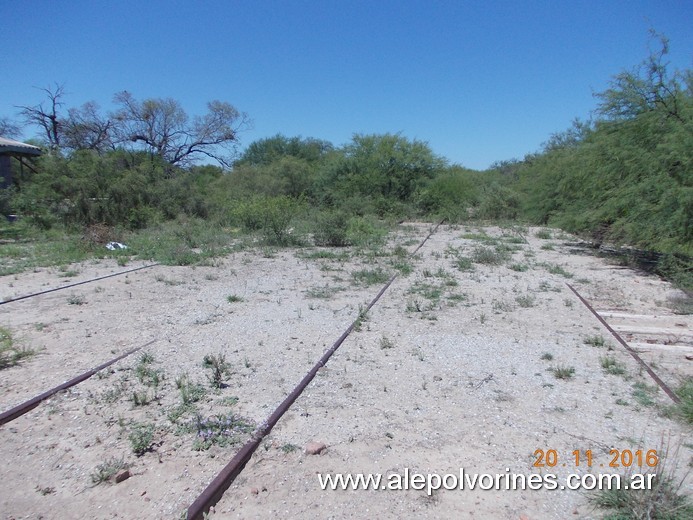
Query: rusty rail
(29,405)
(215,490)
(630,350)
(18,298)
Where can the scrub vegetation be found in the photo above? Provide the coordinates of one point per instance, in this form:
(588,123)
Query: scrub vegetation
(135,176)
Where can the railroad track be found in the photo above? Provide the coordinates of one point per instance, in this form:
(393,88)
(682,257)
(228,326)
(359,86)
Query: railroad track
(27,406)
(215,490)
(83,282)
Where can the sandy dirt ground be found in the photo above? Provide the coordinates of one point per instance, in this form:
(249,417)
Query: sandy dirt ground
(453,368)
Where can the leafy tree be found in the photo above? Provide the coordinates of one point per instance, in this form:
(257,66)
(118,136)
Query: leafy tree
(266,151)
(570,138)
(386,166)
(288,175)
(451,193)
(648,87)
(627,177)
(163,128)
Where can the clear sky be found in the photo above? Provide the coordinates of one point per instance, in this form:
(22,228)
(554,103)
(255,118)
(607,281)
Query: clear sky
(480,81)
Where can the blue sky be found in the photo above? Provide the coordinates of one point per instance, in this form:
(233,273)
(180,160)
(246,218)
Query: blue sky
(480,81)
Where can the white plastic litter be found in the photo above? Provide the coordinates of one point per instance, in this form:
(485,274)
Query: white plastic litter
(112,246)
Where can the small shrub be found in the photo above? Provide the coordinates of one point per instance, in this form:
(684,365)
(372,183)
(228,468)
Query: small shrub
(324,292)
(644,394)
(272,216)
(140,398)
(141,437)
(107,470)
(557,269)
(544,234)
(684,409)
(428,291)
(219,367)
(400,252)
(75,299)
(502,306)
(612,366)
(386,343)
(414,306)
(331,229)
(370,276)
(525,300)
(681,304)
(234,298)
(146,374)
(519,267)
(547,356)
(189,392)
(464,263)
(405,268)
(545,286)
(662,500)
(563,372)
(361,318)
(490,256)
(10,354)
(365,232)
(221,430)
(595,341)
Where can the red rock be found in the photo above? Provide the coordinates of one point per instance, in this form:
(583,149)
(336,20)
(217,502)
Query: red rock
(255,491)
(123,475)
(315,448)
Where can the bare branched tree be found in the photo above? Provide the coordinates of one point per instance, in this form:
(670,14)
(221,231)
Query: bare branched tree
(86,129)
(9,129)
(47,117)
(162,128)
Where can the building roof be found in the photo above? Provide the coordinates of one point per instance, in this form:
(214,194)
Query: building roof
(9,146)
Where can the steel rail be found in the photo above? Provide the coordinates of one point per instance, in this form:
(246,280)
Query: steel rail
(29,405)
(18,298)
(216,489)
(630,350)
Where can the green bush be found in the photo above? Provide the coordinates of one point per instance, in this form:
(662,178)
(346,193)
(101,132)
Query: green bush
(365,232)
(498,203)
(331,229)
(271,216)
(450,195)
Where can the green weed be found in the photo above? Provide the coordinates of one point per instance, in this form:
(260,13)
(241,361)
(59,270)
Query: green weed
(526,301)
(563,372)
(370,276)
(219,368)
(10,353)
(107,470)
(612,366)
(141,437)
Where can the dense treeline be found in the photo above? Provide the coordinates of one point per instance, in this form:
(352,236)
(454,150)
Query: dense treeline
(625,177)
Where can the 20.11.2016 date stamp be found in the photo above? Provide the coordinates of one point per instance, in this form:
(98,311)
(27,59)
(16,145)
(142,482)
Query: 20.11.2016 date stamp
(617,458)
